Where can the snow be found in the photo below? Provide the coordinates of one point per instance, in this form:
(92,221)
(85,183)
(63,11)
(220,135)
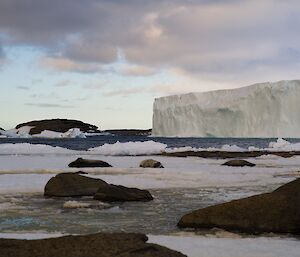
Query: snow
(130,148)
(29,174)
(260,110)
(283,145)
(75,205)
(207,246)
(26,148)
(23,132)
(31,236)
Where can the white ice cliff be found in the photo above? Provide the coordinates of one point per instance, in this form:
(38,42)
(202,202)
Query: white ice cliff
(259,110)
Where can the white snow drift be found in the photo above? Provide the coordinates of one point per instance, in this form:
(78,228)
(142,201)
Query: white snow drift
(260,110)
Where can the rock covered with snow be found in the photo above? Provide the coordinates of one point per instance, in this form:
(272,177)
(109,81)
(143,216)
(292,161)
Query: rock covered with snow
(260,110)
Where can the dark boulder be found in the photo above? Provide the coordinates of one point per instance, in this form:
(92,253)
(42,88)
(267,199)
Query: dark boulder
(114,193)
(96,245)
(150,163)
(84,163)
(238,163)
(278,212)
(75,185)
(58,125)
(72,185)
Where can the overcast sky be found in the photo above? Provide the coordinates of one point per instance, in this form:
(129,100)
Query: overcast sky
(104,61)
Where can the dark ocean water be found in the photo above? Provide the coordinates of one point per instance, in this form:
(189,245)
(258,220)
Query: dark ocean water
(86,143)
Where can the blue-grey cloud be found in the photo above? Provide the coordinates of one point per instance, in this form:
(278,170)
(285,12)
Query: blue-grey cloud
(49,105)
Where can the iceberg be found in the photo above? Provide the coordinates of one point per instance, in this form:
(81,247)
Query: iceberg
(268,110)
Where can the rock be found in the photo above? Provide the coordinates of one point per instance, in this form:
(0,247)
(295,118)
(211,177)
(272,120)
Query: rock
(238,163)
(278,212)
(129,132)
(75,185)
(72,185)
(113,193)
(96,245)
(226,154)
(2,129)
(84,163)
(150,163)
(58,125)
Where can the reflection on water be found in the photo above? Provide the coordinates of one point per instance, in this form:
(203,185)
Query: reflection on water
(23,213)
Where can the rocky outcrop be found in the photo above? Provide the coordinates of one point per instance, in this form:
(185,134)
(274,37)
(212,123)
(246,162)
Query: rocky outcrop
(75,185)
(2,129)
(129,132)
(113,193)
(238,163)
(96,245)
(278,212)
(150,163)
(229,154)
(84,163)
(72,185)
(58,125)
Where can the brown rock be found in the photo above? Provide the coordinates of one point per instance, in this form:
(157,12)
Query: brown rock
(113,193)
(278,212)
(96,245)
(150,163)
(238,163)
(75,185)
(72,185)
(84,163)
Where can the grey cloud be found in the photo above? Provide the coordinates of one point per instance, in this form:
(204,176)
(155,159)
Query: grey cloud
(206,38)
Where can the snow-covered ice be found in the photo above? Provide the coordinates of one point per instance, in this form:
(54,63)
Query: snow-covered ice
(207,246)
(260,110)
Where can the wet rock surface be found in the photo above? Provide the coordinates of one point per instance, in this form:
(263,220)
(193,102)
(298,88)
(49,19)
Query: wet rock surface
(278,212)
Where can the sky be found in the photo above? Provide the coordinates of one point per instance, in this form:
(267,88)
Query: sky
(105,61)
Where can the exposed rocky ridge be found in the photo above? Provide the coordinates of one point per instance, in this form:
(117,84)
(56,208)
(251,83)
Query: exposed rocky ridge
(96,245)
(58,125)
(278,212)
(227,154)
(129,132)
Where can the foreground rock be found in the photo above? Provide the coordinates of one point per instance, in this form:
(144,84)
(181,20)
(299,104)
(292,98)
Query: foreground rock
(58,125)
(278,212)
(72,185)
(84,163)
(150,163)
(75,185)
(113,193)
(96,245)
(238,163)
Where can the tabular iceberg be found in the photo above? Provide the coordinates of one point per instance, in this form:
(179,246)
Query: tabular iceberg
(260,110)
